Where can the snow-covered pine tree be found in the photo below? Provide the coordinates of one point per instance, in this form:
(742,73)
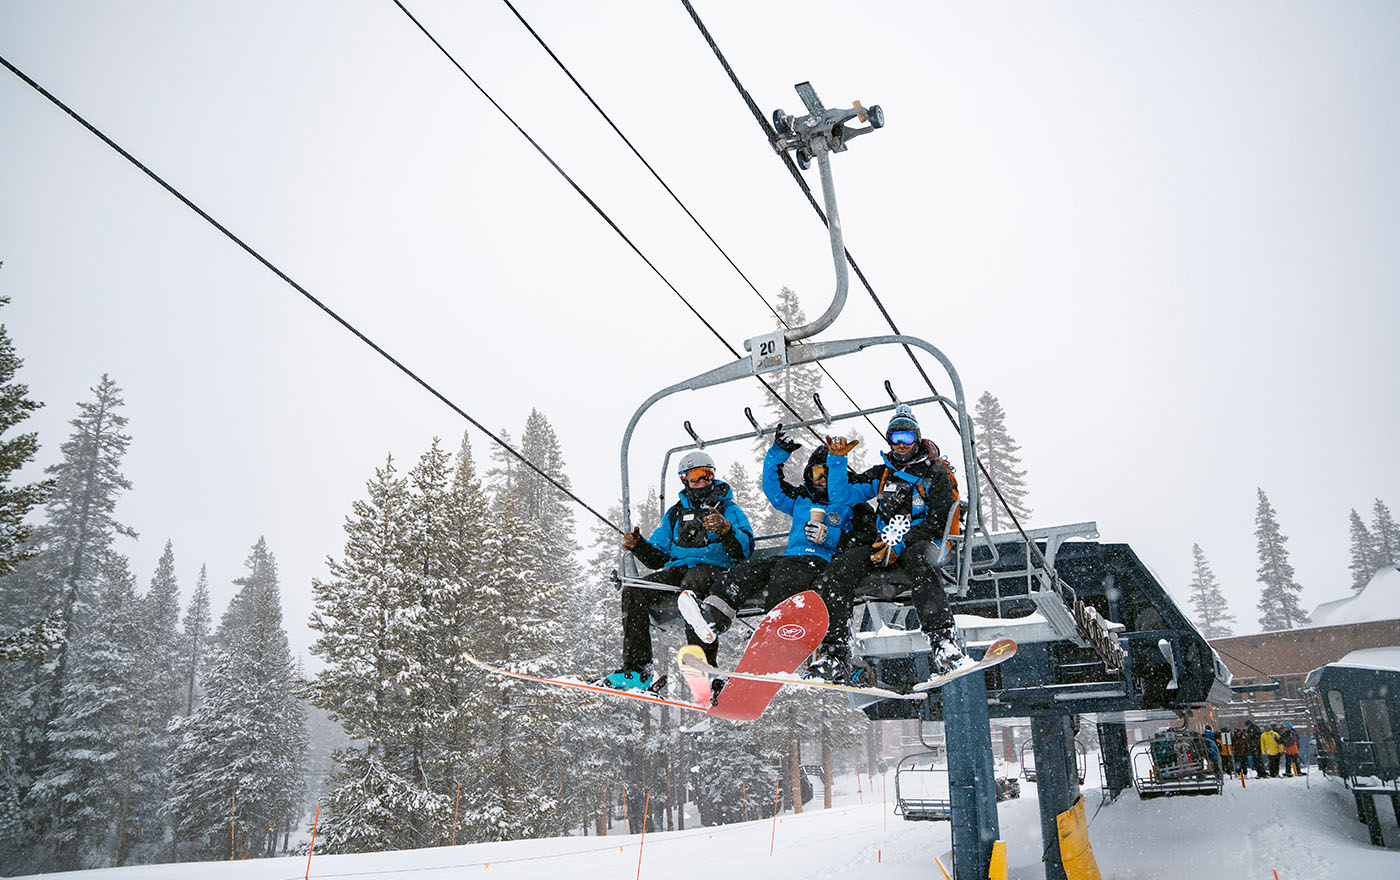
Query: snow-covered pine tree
(15,452)
(1278,600)
(359,615)
(515,790)
(23,635)
(1212,611)
(86,787)
(243,748)
(162,697)
(1386,535)
(1363,554)
(748,494)
(996,449)
(537,500)
(42,597)
(195,638)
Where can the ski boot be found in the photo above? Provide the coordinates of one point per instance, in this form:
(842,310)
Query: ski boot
(946,656)
(634,680)
(832,663)
(709,619)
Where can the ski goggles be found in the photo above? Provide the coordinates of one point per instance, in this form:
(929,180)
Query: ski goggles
(818,471)
(696,474)
(907,438)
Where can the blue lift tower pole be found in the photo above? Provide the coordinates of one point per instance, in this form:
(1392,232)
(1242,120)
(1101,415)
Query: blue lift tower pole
(971,776)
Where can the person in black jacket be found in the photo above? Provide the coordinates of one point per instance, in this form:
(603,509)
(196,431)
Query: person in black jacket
(914,491)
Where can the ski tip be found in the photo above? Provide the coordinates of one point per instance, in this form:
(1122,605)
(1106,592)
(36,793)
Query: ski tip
(690,651)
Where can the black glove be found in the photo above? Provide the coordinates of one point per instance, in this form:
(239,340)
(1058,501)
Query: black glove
(784,441)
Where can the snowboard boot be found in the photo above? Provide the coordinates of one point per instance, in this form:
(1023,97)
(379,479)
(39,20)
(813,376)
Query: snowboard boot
(634,680)
(709,619)
(946,656)
(832,663)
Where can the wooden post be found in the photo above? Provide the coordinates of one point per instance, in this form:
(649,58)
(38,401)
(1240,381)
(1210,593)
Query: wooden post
(232,807)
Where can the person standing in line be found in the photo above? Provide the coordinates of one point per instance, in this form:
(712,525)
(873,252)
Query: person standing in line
(1227,757)
(1269,745)
(1288,738)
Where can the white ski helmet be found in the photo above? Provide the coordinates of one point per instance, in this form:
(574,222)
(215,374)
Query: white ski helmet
(698,458)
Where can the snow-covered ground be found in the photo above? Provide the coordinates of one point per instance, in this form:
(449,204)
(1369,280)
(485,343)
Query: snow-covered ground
(1305,829)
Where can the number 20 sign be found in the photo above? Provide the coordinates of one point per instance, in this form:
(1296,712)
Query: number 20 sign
(769,352)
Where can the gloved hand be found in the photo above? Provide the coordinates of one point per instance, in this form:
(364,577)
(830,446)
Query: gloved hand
(884,554)
(632,539)
(840,445)
(783,440)
(816,532)
(716,523)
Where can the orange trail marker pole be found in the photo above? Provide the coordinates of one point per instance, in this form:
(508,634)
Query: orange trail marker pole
(625,821)
(859,792)
(312,848)
(777,787)
(646,811)
(232,807)
(454,812)
(744,789)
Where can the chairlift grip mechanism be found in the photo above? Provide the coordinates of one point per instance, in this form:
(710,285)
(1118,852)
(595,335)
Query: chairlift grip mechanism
(694,436)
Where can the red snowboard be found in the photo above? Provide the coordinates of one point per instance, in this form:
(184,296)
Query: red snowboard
(786,636)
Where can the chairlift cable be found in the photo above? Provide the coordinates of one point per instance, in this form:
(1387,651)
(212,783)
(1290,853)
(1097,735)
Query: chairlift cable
(303,291)
(596,207)
(675,198)
(772,137)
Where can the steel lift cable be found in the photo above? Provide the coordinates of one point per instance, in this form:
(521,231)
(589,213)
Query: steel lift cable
(304,292)
(594,205)
(677,199)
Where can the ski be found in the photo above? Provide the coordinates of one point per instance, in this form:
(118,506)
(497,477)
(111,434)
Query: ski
(645,696)
(998,652)
(693,666)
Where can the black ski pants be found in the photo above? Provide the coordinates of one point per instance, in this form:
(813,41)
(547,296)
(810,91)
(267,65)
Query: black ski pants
(638,604)
(769,580)
(840,583)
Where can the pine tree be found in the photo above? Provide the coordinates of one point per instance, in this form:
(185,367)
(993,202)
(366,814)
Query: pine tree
(748,494)
(1278,600)
(537,500)
(1212,611)
(1386,534)
(15,452)
(44,595)
(81,512)
(243,748)
(792,387)
(195,638)
(996,449)
(162,695)
(94,736)
(357,614)
(1363,554)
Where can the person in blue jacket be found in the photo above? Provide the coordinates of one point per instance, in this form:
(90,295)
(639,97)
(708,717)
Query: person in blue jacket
(700,536)
(812,539)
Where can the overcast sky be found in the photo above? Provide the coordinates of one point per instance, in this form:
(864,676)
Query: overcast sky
(1166,236)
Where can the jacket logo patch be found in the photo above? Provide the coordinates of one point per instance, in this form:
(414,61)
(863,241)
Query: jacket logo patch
(791,632)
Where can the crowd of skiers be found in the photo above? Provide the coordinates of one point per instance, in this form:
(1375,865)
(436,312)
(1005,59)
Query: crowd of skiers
(1252,748)
(702,549)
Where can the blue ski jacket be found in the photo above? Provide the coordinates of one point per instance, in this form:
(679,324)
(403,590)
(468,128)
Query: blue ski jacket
(682,541)
(797,502)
